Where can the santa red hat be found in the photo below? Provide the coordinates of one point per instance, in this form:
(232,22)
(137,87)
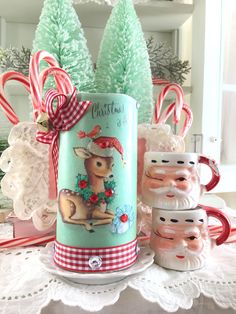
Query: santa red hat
(104,146)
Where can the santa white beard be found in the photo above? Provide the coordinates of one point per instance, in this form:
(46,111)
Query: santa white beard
(191,261)
(181,200)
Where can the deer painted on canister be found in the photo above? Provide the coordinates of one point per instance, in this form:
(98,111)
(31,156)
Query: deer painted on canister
(98,163)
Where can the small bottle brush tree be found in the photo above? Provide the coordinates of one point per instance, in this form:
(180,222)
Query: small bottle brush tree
(59,32)
(123,62)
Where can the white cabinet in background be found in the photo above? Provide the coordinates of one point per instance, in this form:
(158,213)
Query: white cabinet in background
(213,96)
(160,19)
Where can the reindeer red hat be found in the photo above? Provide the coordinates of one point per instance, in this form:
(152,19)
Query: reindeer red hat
(104,145)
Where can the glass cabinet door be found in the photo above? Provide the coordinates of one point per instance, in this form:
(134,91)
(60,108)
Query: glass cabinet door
(214,85)
(228,95)
(228,132)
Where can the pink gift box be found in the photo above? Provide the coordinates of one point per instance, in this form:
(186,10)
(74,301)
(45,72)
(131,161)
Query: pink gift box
(25,228)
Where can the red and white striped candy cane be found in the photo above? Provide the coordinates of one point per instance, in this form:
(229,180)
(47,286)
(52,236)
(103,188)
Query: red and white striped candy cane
(37,80)
(178,102)
(26,241)
(187,121)
(215,231)
(157,81)
(7,108)
(66,86)
(36,89)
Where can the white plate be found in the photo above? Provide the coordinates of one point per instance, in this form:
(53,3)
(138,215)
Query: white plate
(144,260)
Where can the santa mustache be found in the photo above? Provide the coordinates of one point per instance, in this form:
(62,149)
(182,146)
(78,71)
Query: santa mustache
(171,190)
(183,251)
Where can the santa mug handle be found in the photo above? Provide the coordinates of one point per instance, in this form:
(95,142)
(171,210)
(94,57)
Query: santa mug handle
(226,225)
(215,175)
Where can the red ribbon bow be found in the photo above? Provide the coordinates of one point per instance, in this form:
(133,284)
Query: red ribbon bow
(62,116)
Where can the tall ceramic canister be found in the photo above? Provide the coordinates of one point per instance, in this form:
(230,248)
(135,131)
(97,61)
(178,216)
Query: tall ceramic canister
(97,171)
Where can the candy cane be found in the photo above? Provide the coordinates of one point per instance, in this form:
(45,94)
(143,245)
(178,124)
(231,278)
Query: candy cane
(7,108)
(26,241)
(214,231)
(37,79)
(178,103)
(36,89)
(58,73)
(157,81)
(34,85)
(188,118)
(64,86)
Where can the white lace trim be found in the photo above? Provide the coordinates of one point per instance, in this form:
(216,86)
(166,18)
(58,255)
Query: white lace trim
(23,279)
(25,162)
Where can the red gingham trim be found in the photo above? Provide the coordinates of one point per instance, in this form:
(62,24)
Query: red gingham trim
(77,259)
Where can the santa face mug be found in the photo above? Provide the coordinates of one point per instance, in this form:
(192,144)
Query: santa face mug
(180,239)
(172,181)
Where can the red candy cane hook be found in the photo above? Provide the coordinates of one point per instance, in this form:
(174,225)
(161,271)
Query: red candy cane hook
(7,108)
(37,79)
(64,87)
(36,89)
(188,118)
(58,73)
(178,103)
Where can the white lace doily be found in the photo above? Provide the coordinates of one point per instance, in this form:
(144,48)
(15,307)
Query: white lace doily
(144,260)
(26,288)
(25,162)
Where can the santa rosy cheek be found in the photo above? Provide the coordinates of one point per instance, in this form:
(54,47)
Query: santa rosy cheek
(154,184)
(151,183)
(196,245)
(164,244)
(184,185)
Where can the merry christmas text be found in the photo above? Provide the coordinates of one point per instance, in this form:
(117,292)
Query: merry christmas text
(102,110)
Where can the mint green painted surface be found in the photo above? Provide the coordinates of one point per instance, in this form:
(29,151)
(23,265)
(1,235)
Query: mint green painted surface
(117,116)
